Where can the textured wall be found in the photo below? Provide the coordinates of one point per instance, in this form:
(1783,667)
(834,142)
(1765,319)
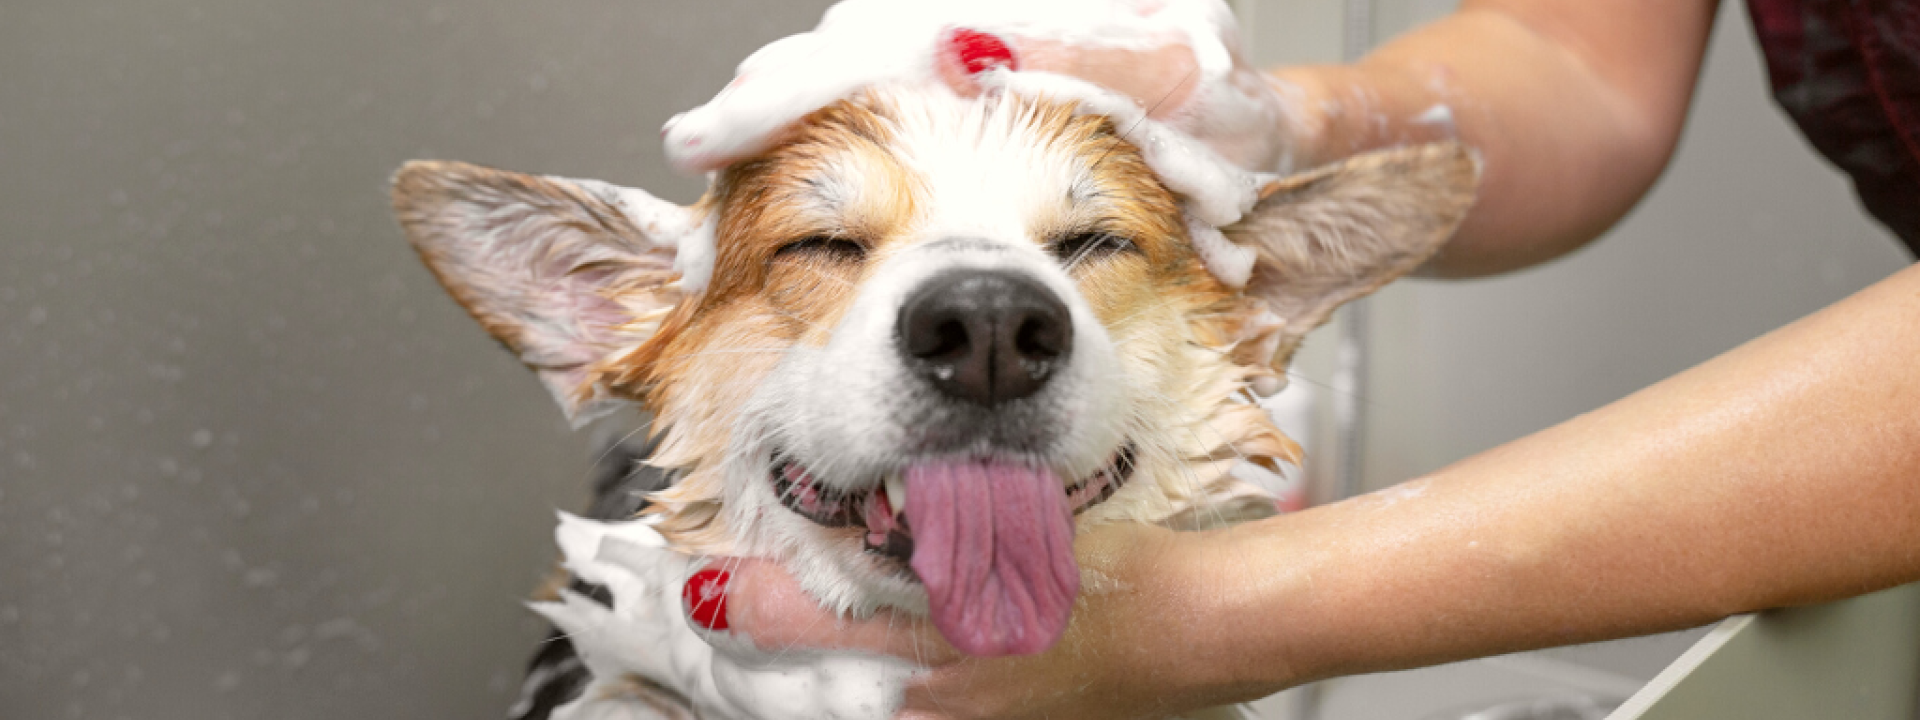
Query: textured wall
(253,463)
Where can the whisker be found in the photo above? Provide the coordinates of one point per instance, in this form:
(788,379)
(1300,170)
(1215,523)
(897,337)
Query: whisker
(796,318)
(1151,308)
(810,267)
(725,351)
(1086,251)
(615,445)
(1144,116)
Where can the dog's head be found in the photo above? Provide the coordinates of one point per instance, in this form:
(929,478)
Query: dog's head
(938,334)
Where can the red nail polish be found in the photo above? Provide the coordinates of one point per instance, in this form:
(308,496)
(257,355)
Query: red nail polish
(979,52)
(706,598)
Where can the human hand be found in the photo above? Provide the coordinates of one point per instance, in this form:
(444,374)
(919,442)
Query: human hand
(1175,60)
(1138,645)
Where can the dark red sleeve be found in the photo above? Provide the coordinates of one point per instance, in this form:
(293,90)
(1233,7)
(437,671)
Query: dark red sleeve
(1848,72)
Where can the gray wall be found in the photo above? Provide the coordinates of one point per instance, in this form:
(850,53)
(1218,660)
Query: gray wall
(253,464)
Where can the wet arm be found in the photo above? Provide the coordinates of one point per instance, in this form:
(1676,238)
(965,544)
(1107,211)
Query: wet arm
(1574,105)
(1785,472)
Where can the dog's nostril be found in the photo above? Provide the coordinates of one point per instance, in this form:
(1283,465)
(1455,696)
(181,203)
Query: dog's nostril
(948,342)
(986,336)
(1039,338)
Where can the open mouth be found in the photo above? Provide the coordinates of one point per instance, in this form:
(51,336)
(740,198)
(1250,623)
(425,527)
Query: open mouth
(880,510)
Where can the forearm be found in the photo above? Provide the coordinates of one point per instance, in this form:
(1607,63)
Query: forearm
(1574,106)
(1784,472)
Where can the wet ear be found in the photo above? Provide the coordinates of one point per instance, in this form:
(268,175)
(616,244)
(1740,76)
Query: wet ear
(570,275)
(1334,234)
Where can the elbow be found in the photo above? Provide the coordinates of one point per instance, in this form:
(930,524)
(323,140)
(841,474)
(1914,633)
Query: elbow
(1527,216)
(1573,150)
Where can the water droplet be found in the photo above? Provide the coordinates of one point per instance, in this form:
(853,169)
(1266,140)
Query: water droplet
(201,438)
(37,316)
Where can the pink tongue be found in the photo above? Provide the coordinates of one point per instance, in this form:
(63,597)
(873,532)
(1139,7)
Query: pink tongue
(993,543)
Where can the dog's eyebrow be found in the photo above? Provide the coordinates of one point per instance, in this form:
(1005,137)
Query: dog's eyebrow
(830,193)
(1082,189)
(832,184)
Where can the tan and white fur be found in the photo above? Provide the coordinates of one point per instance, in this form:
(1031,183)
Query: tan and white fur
(791,348)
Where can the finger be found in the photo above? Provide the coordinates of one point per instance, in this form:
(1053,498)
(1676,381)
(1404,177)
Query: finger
(766,604)
(962,53)
(1161,78)
(704,597)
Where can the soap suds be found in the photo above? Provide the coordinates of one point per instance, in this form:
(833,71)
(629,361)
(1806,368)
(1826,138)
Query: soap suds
(1232,264)
(1397,494)
(1438,115)
(646,634)
(663,224)
(1205,151)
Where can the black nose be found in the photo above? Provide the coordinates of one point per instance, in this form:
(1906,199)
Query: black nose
(986,336)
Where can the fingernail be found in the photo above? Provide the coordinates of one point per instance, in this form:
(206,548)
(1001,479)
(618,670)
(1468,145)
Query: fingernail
(978,52)
(706,598)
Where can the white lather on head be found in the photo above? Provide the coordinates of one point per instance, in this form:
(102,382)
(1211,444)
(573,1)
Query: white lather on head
(1213,159)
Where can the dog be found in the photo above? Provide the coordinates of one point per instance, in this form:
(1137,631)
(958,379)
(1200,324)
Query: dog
(933,338)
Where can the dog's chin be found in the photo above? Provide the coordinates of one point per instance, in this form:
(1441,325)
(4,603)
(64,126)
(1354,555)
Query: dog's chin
(867,537)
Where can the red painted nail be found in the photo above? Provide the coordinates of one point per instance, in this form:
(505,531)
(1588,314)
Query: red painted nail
(979,52)
(706,598)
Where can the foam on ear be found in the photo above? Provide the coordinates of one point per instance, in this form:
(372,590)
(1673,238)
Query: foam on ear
(1334,234)
(569,274)
(1231,264)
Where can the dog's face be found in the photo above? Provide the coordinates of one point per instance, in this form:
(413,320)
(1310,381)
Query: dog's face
(939,334)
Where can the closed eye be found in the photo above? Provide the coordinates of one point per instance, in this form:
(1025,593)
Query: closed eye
(831,249)
(1071,250)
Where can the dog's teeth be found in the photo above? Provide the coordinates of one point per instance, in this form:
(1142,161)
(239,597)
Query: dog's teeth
(897,492)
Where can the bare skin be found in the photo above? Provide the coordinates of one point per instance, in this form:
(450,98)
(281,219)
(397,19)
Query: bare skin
(1575,106)
(1785,472)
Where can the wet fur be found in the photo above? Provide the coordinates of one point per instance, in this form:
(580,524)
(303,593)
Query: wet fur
(842,177)
(731,371)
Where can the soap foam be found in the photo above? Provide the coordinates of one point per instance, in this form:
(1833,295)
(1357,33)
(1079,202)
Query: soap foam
(1206,151)
(646,634)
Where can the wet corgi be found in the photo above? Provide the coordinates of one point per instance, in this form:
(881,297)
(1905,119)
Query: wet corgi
(930,339)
